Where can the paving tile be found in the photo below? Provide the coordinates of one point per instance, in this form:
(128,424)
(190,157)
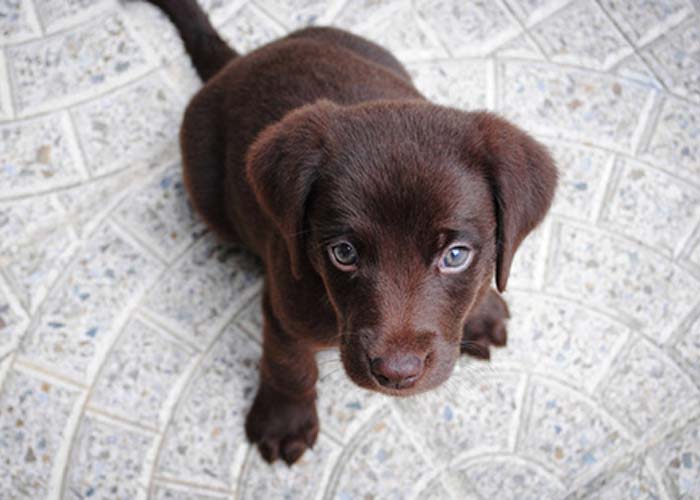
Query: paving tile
(632,480)
(521,46)
(621,277)
(475,411)
(79,315)
(249,29)
(533,11)
(644,21)
(634,68)
(462,84)
(18,21)
(582,34)
(296,14)
(687,350)
(72,65)
(524,270)
(676,58)
(582,178)
(129,125)
(342,406)
(376,464)
(203,290)
(678,456)
(395,26)
(165,491)
(652,206)
(38,155)
(35,245)
(510,478)
(60,14)
(33,417)
(567,432)
(583,345)
(206,432)
(107,461)
(573,104)
(469,28)
(250,318)
(161,215)
(674,143)
(645,387)
(304,480)
(139,374)
(13,322)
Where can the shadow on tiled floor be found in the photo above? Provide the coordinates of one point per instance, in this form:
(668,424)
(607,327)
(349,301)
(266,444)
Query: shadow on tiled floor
(129,337)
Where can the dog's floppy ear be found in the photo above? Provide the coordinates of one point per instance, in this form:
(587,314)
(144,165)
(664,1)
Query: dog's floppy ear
(522,177)
(282,165)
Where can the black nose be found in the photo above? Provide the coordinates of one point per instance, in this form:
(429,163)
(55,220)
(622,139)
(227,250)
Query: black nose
(397,370)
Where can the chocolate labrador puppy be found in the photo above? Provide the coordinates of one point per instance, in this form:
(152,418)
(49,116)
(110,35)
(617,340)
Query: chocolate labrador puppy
(381,218)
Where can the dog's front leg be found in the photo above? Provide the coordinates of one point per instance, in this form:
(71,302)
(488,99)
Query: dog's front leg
(283,420)
(485,326)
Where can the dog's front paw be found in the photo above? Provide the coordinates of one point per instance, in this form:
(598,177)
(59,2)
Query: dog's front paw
(485,327)
(281,427)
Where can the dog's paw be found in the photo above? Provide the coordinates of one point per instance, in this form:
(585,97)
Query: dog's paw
(486,326)
(280,427)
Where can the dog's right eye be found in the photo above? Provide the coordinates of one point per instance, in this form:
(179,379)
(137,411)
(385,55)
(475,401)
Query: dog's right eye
(343,255)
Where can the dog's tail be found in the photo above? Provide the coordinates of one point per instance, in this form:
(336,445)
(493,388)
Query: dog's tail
(208,51)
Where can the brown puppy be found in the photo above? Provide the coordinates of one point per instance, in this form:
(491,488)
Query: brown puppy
(381,218)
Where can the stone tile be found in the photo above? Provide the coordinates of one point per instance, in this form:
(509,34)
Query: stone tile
(475,411)
(395,26)
(79,315)
(219,11)
(203,290)
(582,173)
(129,125)
(582,34)
(644,21)
(645,387)
(462,84)
(304,480)
(296,14)
(436,490)
(533,11)
(583,345)
(37,155)
(566,432)
(13,322)
(165,491)
(678,456)
(631,481)
(36,243)
(522,47)
(249,29)
(342,406)
(651,206)
(573,104)
(59,14)
(250,318)
(676,58)
(469,28)
(376,465)
(106,461)
(510,478)
(73,65)
(619,276)
(675,140)
(687,351)
(206,434)
(157,33)
(33,417)
(634,68)
(160,213)
(18,21)
(524,270)
(139,374)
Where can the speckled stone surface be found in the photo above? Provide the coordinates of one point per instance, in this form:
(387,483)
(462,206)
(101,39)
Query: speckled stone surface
(129,337)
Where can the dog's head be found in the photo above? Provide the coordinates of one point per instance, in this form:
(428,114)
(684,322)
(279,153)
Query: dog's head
(405,210)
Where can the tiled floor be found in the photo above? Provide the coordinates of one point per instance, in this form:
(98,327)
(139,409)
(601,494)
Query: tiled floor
(129,337)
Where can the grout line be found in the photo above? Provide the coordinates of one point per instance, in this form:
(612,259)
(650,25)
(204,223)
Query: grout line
(612,173)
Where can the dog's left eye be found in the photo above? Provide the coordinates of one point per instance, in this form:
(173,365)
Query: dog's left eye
(344,256)
(455,259)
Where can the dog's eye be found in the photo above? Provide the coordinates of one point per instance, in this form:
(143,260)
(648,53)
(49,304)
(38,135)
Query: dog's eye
(455,259)
(344,256)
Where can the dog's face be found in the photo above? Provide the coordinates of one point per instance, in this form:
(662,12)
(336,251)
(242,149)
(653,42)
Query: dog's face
(398,208)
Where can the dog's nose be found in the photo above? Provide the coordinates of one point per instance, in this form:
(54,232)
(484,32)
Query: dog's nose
(397,370)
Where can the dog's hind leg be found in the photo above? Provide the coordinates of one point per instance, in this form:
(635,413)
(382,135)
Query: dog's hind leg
(486,326)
